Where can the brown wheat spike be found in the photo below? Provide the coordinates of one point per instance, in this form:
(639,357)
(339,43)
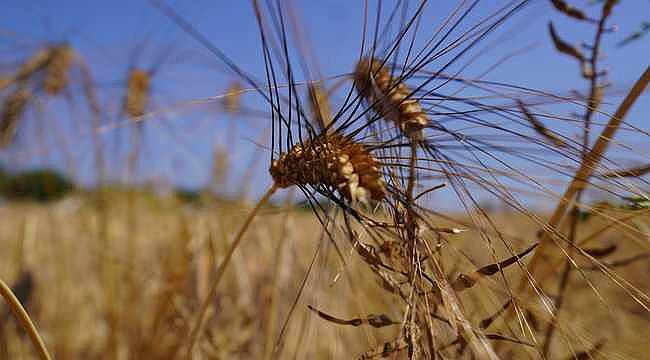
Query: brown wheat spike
(334,161)
(231,101)
(12,110)
(390,97)
(33,65)
(56,72)
(137,92)
(4,82)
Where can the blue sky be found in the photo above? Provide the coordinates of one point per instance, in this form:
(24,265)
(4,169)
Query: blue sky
(108,34)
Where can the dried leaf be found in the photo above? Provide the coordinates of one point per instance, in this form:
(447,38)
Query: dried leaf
(563,46)
(485,323)
(385,350)
(601,252)
(465,281)
(608,6)
(374,320)
(539,127)
(460,340)
(630,172)
(569,10)
(394,346)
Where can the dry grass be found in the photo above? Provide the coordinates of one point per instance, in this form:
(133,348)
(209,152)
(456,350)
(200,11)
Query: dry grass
(176,247)
(375,269)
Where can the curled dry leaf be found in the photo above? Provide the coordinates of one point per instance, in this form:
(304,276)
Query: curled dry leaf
(465,281)
(564,47)
(569,10)
(601,252)
(485,323)
(636,171)
(539,127)
(374,320)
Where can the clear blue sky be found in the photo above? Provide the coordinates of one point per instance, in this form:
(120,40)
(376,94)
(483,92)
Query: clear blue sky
(108,33)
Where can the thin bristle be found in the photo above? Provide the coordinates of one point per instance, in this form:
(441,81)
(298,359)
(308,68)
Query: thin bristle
(334,161)
(137,93)
(391,98)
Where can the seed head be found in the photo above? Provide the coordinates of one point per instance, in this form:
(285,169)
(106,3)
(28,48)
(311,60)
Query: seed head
(390,97)
(12,110)
(137,92)
(334,161)
(232,99)
(56,72)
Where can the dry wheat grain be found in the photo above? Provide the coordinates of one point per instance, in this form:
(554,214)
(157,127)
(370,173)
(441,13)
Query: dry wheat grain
(334,161)
(391,98)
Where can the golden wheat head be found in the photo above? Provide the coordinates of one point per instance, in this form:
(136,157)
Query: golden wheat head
(334,161)
(390,97)
(137,92)
(56,71)
(13,108)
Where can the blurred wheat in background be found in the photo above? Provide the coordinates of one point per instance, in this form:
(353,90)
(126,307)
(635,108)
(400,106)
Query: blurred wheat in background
(286,179)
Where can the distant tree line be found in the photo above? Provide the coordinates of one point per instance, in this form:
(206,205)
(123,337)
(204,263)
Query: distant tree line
(35,184)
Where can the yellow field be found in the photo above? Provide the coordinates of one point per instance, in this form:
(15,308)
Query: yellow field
(124,282)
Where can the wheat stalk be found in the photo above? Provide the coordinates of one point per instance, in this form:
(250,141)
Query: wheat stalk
(25,321)
(587,168)
(330,160)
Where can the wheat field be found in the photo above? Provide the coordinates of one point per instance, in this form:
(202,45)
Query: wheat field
(400,180)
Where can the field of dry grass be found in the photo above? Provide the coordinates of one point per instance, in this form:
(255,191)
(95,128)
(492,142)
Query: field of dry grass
(124,282)
(427,200)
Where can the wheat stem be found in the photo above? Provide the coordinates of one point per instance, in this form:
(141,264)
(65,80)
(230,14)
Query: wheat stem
(24,320)
(587,168)
(212,292)
(275,281)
